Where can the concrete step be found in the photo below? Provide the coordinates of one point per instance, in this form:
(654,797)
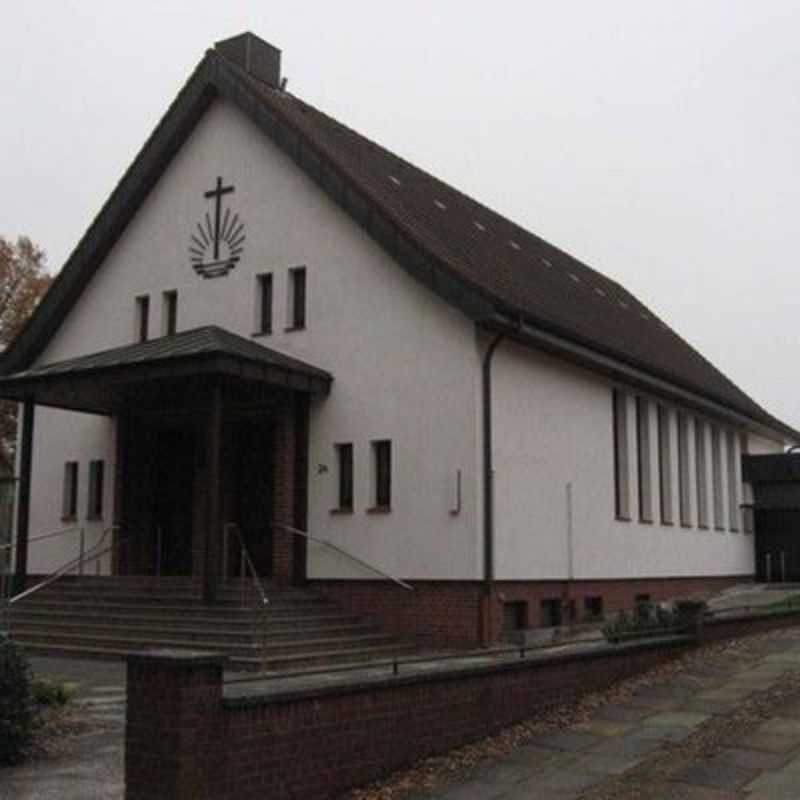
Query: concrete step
(288,625)
(110,617)
(82,625)
(202,640)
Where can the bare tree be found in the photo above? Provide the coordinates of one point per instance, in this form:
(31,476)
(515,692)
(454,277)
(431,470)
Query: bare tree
(23,281)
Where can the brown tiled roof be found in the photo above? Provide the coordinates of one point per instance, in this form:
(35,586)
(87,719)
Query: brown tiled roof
(516,269)
(476,252)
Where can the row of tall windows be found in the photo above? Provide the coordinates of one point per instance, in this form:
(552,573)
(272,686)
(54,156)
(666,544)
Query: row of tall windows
(296,301)
(169,315)
(69,498)
(381,476)
(702,455)
(295,315)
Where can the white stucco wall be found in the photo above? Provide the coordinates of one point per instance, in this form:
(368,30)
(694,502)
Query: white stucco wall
(403,361)
(553,426)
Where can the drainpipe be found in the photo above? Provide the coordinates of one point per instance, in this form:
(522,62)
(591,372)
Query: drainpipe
(487,607)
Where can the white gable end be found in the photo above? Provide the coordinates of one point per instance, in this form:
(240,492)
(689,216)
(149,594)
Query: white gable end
(404,363)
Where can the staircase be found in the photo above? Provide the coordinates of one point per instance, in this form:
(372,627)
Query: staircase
(109,617)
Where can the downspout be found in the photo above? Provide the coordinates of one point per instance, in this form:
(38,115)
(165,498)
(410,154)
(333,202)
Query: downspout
(487,607)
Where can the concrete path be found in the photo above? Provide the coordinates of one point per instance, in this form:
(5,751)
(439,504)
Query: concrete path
(725,729)
(90,764)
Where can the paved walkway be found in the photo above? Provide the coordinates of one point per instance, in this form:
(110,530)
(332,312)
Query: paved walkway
(726,728)
(88,765)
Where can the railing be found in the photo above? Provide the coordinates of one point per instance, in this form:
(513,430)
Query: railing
(335,547)
(396,666)
(96,551)
(246,564)
(7,578)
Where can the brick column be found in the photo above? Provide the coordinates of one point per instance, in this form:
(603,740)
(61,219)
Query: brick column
(174,699)
(284,495)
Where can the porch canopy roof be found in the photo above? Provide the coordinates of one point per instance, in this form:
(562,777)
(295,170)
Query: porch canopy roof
(105,382)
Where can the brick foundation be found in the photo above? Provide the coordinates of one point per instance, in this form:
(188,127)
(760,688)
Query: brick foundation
(448,613)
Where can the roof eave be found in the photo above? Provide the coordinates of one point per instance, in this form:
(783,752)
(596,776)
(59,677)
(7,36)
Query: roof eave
(534,335)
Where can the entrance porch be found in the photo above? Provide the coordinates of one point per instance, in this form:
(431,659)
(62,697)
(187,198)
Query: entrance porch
(211,439)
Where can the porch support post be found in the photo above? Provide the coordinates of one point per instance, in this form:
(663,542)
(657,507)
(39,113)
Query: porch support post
(214,526)
(24,494)
(119,560)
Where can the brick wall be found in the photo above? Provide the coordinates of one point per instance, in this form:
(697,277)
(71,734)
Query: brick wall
(283,497)
(447,613)
(185,741)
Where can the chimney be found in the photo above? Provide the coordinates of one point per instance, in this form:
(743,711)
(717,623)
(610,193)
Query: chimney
(257,57)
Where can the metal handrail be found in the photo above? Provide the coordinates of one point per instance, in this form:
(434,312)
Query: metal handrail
(332,546)
(247,561)
(48,535)
(78,561)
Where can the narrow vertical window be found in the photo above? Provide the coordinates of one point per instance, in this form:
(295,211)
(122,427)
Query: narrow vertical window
(264,304)
(169,312)
(95,508)
(622,509)
(69,497)
(684,495)
(716,478)
(344,458)
(643,460)
(664,466)
(701,468)
(297,298)
(382,465)
(142,318)
(733,481)
(747,489)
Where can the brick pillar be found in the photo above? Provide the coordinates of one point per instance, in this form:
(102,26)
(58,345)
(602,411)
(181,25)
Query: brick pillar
(284,495)
(174,698)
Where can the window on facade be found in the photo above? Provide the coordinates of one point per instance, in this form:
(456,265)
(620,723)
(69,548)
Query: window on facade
(382,465)
(716,478)
(643,460)
(69,497)
(621,472)
(664,466)
(684,495)
(297,298)
(95,509)
(550,612)
(701,469)
(142,318)
(264,304)
(344,459)
(733,481)
(593,607)
(169,312)
(515,615)
(747,499)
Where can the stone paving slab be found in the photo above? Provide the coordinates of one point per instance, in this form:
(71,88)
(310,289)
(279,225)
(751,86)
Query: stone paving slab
(717,775)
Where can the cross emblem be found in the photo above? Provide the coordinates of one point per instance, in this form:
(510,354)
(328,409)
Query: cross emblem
(216,246)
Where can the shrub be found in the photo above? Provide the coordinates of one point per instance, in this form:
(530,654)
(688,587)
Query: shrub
(17,716)
(649,619)
(51,692)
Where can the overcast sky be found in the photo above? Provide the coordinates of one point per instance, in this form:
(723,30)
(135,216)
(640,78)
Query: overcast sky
(657,141)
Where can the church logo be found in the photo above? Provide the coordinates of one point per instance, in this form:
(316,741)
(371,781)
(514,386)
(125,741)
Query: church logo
(217,244)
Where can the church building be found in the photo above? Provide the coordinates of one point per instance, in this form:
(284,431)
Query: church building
(394,395)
